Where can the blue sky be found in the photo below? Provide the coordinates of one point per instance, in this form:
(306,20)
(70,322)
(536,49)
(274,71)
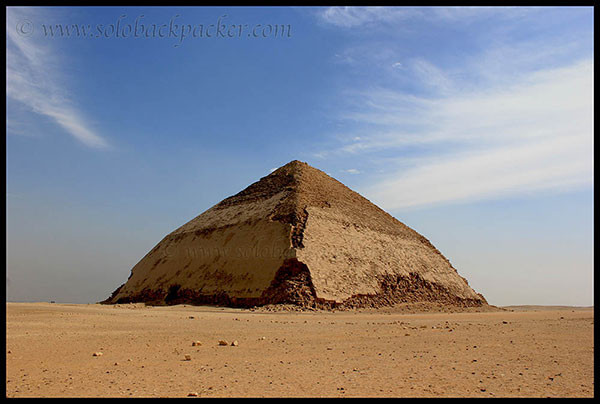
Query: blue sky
(474,126)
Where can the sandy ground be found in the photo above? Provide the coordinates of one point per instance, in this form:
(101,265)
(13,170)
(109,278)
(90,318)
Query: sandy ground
(528,351)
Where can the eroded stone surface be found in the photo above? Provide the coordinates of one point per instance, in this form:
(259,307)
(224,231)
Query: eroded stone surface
(297,237)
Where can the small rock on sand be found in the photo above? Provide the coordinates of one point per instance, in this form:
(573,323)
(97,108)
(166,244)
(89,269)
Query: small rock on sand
(192,394)
(222,342)
(188,357)
(235,343)
(97,354)
(196,343)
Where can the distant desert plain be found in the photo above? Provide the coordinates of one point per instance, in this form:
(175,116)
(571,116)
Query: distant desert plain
(133,350)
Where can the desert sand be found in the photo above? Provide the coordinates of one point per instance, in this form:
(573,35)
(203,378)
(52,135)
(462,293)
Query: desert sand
(522,351)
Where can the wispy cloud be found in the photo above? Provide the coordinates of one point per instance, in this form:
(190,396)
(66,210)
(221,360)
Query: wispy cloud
(511,115)
(534,134)
(33,78)
(352,17)
(356,16)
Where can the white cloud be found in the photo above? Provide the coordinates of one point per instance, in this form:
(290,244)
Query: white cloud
(536,134)
(352,17)
(357,55)
(351,171)
(431,75)
(558,163)
(33,78)
(356,16)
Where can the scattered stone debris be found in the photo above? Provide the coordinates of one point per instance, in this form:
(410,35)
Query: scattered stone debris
(196,343)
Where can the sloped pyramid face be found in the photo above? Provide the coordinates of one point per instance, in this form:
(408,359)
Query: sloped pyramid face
(296,236)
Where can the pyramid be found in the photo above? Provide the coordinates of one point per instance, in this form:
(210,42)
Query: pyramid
(296,236)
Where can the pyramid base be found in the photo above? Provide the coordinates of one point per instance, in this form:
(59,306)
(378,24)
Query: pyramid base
(292,285)
(400,289)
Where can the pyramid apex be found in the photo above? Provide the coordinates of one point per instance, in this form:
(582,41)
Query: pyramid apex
(293,167)
(295,164)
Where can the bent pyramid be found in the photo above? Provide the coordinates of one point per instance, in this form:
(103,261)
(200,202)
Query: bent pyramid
(296,236)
